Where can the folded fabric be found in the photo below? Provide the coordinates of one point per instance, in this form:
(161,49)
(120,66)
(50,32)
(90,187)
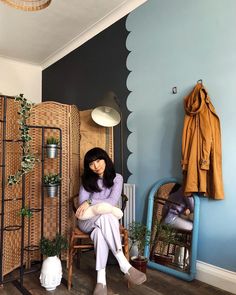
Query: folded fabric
(98,209)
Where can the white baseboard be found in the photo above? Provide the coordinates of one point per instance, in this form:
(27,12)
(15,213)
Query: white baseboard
(216,276)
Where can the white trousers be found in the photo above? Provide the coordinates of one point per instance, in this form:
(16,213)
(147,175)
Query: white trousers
(105,232)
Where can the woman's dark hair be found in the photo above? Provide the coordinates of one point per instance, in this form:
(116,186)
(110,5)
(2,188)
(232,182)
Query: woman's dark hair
(89,178)
(175,188)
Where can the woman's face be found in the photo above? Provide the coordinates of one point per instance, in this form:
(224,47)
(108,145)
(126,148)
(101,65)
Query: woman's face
(98,166)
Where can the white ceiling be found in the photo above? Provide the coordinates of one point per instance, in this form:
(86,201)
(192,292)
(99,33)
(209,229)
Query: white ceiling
(45,36)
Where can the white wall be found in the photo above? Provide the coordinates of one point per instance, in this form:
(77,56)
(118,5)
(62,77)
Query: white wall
(18,77)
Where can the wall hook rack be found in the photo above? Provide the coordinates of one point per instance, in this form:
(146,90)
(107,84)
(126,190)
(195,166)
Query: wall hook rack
(200,81)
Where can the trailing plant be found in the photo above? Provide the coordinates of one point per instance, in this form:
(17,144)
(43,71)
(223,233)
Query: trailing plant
(26,212)
(139,235)
(28,159)
(52,179)
(53,247)
(53,140)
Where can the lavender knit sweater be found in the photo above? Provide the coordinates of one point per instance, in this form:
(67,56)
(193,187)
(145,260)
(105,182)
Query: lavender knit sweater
(108,195)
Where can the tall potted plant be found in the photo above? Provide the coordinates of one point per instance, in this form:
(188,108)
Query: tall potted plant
(52,147)
(52,182)
(139,235)
(51,271)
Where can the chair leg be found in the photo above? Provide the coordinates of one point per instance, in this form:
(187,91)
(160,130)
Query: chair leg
(126,245)
(70,263)
(70,270)
(126,249)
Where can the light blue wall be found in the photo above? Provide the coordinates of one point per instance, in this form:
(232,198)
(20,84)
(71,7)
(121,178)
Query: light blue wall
(175,43)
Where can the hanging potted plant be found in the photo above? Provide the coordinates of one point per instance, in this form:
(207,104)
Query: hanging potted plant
(52,183)
(51,271)
(165,235)
(26,212)
(139,236)
(52,147)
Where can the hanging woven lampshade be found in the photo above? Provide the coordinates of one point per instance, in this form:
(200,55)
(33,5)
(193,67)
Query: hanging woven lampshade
(28,5)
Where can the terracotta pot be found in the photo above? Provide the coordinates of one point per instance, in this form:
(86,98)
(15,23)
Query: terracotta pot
(163,259)
(139,263)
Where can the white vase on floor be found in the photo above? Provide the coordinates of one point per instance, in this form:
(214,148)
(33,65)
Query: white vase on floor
(51,273)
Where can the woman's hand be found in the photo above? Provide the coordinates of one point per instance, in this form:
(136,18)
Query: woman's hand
(187,212)
(80,211)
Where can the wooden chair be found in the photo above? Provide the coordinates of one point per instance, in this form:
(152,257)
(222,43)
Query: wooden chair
(81,241)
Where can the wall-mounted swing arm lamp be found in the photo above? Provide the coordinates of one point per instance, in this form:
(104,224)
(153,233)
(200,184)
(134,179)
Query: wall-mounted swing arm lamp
(108,114)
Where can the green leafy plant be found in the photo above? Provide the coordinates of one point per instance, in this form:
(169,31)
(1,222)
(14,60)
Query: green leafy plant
(53,140)
(28,159)
(165,234)
(26,212)
(53,247)
(52,179)
(139,235)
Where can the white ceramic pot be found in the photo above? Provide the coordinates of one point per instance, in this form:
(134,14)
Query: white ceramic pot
(51,273)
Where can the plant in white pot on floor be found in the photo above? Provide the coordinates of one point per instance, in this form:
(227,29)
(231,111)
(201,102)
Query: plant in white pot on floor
(52,182)
(51,271)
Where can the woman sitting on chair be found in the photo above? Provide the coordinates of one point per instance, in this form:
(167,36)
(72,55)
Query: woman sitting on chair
(101,184)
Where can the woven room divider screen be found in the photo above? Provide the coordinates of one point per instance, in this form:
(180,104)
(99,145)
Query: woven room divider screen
(79,134)
(10,196)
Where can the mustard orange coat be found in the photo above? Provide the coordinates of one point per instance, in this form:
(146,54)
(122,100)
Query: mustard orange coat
(201,146)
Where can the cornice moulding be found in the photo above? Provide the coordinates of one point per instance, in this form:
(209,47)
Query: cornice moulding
(119,12)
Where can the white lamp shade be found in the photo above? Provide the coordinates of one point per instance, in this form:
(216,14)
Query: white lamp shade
(106,116)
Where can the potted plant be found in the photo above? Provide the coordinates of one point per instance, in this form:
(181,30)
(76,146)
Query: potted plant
(165,235)
(51,271)
(52,146)
(52,182)
(26,212)
(139,235)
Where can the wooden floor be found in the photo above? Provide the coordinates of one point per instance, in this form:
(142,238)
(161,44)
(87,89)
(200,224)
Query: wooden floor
(84,281)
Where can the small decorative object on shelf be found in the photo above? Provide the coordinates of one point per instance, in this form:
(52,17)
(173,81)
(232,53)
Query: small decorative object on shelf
(52,147)
(52,183)
(28,160)
(139,236)
(51,271)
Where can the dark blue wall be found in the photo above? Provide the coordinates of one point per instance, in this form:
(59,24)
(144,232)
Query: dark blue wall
(83,76)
